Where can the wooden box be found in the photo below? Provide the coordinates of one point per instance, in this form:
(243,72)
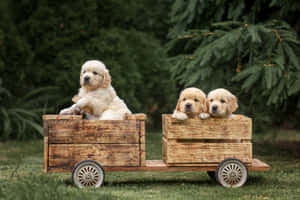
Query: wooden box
(196,142)
(68,139)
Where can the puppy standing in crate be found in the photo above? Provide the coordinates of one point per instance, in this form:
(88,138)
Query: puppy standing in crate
(96,97)
(191,104)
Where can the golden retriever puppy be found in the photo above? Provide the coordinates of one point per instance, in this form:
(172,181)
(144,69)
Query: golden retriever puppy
(97,95)
(191,104)
(221,103)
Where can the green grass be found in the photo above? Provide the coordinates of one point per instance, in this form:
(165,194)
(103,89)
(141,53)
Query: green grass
(21,175)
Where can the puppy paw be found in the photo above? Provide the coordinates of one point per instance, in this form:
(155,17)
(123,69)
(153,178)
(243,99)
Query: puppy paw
(64,112)
(180,116)
(204,115)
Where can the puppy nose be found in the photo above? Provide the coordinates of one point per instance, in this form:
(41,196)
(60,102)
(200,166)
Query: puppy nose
(215,108)
(188,105)
(87,78)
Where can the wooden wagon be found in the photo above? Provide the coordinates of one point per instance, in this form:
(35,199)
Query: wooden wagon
(88,148)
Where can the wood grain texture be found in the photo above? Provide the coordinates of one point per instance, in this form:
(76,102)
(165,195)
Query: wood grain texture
(142,143)
(164,149)
(196,142)
(197,153)
(67,155)
(93,131)
(136,116)
(159,166)
(239,127)
(45,166)
(109,142)
(59,117)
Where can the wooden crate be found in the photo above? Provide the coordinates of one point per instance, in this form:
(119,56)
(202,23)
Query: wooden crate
(68,139)
(196,142)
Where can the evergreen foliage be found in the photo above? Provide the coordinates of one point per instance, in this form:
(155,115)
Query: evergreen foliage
(249,47)
(44,43)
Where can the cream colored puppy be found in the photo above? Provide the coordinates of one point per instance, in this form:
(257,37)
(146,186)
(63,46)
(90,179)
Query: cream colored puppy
(221,103)
(191,104)
(96,95)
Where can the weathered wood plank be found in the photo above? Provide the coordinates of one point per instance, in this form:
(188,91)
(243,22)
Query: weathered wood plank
(164,149)
(238,127)
(93,131)
(142,143)
(136,116)
(67,155)
(165,125)
(45,154)
(45,168)
(59,117)
(193,153)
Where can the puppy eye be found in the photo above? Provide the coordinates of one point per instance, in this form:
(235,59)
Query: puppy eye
(95,73)
(211,100)
(196,100)
(83,71)
(223,101)
(184,99)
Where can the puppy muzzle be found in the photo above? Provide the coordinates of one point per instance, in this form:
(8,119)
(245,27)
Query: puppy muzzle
(214,109)
(86,80)
(188,107)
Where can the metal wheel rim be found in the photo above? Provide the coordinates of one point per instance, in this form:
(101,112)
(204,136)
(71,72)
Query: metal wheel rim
(88,174)
(232,174)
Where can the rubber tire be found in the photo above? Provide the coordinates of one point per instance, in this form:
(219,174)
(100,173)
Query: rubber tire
(226,162)
(81,163)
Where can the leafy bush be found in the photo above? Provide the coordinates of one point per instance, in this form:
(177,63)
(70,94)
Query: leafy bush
(20,118)
(44,44)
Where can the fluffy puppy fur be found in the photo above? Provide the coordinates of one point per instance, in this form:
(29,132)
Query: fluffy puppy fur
(191,104)
(96,97)
(221,103)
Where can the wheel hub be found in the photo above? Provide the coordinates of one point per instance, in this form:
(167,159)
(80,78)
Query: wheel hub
(232,173)
(88,175)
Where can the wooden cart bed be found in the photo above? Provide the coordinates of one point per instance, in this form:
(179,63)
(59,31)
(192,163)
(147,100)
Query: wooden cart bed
(160,166)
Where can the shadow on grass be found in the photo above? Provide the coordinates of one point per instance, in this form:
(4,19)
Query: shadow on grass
(252,180)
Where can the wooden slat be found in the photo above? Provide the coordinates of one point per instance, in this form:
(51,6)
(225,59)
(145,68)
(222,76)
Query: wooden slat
(45,168)
(142,143)
(164,149)
(238,127)
(93,131)
(59,117)
(193,153)
(137,116)
(165,125)
(67,155)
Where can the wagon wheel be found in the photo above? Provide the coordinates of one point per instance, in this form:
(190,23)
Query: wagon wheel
(212,175)
(88,173)
(231,173)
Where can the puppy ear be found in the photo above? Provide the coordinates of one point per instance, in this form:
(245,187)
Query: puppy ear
(178,105)
(205,105)
(106,80)
(232,104)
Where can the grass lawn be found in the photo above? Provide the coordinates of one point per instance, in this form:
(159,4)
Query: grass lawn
(21,175)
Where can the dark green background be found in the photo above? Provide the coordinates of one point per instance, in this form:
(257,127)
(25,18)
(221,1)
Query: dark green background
(44,43)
